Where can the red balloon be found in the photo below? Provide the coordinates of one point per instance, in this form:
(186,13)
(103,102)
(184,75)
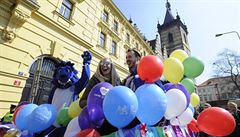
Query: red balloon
(150,68)
(216,121)
(193,126)
(88,133)
(15,113)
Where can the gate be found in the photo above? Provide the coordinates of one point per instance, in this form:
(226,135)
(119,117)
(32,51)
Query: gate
(39,84)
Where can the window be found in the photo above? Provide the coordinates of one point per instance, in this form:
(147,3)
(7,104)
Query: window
(66,9)
(137,46)
(102,40)
(127,38)
(170,38)
(105,16)
(115,25)
(144,53)
(114,48)
(185,38)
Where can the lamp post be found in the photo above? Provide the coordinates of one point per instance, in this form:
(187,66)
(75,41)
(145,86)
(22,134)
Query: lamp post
(220,34)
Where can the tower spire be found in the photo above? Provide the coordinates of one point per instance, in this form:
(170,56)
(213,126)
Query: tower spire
(168,16)
(168,6)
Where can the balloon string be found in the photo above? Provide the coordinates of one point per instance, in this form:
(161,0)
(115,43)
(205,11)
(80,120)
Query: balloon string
(51,131)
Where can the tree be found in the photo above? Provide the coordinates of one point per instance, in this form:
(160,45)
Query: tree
(228,64)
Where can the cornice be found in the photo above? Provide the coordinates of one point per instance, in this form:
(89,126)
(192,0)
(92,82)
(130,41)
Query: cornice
(20,14)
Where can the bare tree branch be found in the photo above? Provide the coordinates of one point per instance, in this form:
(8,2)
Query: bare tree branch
(228,64)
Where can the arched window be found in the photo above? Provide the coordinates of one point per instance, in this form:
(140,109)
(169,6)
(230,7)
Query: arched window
(170,37)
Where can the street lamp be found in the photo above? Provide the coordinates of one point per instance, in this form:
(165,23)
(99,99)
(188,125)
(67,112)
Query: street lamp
(217,35)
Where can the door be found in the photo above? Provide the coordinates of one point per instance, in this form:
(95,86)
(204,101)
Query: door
(39,84)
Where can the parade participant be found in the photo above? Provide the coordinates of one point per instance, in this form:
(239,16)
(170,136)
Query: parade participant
(105,72)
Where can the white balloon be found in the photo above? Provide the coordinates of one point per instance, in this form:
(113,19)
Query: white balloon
(176,103)
(183,119)
(72,128)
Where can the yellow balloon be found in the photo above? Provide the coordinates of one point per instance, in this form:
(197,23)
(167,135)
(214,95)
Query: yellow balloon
(74,109)
(194,99)
(173,70)
(179,54)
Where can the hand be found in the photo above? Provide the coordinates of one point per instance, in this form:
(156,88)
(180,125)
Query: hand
(87,57)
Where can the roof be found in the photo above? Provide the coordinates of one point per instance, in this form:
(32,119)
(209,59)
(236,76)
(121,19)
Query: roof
(213,81)
(168,17)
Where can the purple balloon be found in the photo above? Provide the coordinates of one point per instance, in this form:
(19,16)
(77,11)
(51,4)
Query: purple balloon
(85,122)
(98,93)
(95,112)
(169,86)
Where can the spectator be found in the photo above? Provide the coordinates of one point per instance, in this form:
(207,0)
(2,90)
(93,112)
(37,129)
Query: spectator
(233,109)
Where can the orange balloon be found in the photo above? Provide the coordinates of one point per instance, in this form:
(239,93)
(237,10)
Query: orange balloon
(15,113)
(150,68)
(193,126)
(88,133)
(216,121)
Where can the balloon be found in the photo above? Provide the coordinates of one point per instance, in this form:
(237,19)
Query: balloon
(176,103)
(179,54)
(98,93)
(193,67)
(15,113)
(167,86)
(191,108)
(216,121)
(95,113)
(72,128)
(74,109)
(88,133)
(181,88)
(193,126)
(189,85)
(151,98)
(22,116)
(85,122)
(42,118)
(150,68)
(173,70)
(63,118)
(120,106)
(183,119)
(194,99)
(25,133)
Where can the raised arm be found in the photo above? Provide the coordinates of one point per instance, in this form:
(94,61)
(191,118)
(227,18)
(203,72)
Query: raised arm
(82,82)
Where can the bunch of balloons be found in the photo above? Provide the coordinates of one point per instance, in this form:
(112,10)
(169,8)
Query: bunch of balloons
(35,118)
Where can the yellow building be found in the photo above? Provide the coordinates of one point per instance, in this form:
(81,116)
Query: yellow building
(35,34)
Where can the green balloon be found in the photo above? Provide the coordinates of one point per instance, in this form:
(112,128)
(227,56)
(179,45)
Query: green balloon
(189,85)
(193,67)
(62,118)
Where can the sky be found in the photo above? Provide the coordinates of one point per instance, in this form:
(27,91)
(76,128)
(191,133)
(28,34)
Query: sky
(204,19)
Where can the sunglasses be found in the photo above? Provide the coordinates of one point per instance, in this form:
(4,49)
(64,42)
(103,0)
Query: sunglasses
(105,63)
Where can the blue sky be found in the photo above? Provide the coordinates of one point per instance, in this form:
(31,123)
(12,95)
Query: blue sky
(204,19)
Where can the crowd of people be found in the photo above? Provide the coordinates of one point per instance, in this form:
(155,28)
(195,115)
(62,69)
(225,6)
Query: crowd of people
(106,72)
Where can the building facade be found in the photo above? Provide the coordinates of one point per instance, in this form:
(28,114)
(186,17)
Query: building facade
(216,89)
(37,34)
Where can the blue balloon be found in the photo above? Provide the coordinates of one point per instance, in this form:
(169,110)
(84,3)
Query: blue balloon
(192,108)
(42,118)
(152,103)
(120,106)
(23,115)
